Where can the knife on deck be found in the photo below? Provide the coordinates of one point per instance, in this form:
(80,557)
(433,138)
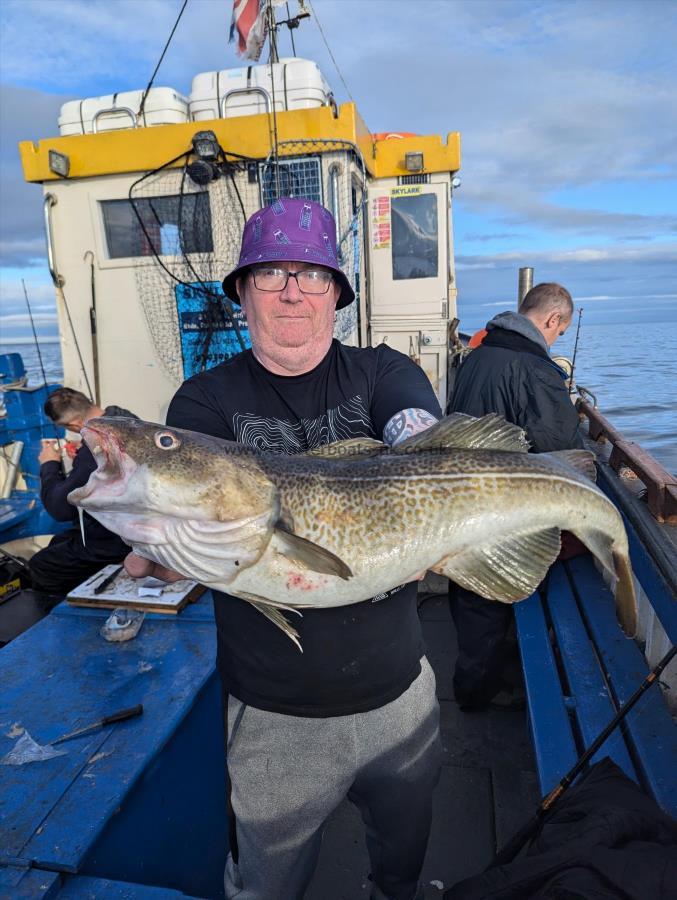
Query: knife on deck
(119,716)
(108,580)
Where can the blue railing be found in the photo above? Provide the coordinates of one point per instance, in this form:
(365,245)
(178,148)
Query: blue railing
(22,514)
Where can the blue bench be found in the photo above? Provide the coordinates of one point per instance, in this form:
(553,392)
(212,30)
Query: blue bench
(36,884)
(579,668)
(142,802)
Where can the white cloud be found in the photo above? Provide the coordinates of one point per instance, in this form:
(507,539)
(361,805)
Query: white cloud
(615,254)
(27,339)
(546,95)
(38,319)
(627,297)
(40,295)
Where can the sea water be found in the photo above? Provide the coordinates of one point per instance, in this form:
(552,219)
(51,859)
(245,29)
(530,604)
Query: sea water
(630,368)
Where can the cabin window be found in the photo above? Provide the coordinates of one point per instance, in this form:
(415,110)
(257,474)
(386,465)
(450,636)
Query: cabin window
(296,178)
(172,226)
(414,236)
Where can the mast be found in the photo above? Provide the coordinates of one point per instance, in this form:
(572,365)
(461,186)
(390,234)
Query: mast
(272,31)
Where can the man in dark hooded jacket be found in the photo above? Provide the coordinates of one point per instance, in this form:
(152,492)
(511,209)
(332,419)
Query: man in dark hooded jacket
(68,560)
(510,373)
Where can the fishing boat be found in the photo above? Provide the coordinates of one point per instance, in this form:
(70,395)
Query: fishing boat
(145,195)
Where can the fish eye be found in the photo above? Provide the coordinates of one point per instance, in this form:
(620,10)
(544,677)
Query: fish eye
(165,440)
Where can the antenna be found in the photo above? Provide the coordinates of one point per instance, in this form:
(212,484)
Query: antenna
(293,22)
(573,361)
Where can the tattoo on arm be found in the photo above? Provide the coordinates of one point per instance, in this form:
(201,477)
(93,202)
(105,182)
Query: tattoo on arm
(406,423)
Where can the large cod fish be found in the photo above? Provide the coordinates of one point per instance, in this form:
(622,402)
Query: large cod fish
(353,519)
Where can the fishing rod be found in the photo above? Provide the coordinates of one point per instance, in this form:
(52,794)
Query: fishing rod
(573,361)
(37,348)
(35,336)
(515,844)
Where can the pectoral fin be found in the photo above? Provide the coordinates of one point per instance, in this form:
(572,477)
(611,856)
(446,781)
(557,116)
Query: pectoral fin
(310,556)
(463,432)
(274,614)
(508,570)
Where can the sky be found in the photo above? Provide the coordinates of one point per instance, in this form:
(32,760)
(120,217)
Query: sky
(567,111)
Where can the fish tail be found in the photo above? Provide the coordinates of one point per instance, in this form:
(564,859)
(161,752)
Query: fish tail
(600,545)
(613,555)
(626,598)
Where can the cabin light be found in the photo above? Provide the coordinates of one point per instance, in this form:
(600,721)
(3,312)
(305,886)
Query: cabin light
(202,172)
(59,163)
(204,169)
(206,146)
(455,182)
(413,162)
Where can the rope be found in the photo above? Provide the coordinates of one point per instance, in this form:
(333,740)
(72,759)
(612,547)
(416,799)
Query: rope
(60,292)
(152,77)
(584,392)
(291,31)
(330,53)
(21,384)
(340,75)
(223,301)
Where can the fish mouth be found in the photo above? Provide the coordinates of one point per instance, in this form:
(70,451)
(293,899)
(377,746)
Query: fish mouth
(113,466)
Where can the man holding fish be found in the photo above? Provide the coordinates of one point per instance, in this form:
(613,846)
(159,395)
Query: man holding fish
(356,713)
(270,484)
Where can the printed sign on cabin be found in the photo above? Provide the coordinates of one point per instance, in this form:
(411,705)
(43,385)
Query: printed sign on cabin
(208,326)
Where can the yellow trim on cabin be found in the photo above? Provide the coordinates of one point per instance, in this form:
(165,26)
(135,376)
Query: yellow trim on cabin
(437,157)
(145,149)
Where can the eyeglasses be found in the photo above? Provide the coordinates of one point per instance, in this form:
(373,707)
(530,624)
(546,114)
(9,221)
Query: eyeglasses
(310,281)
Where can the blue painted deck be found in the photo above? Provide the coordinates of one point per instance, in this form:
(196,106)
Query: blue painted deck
(574,693)
(121,803)
(137,812)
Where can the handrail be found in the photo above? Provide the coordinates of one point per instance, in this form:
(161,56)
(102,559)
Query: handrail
(47,204)
(661,485)
(113,109)
(251,90)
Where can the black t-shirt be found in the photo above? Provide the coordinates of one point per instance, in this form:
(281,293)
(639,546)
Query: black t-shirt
(357,657)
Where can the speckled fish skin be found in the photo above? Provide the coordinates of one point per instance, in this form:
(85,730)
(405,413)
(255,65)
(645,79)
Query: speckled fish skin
(391,517)
(225,515)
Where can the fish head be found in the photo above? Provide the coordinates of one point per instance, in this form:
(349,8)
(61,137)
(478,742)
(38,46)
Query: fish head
(159,471)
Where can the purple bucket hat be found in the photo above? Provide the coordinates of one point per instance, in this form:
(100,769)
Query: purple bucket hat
(291,229)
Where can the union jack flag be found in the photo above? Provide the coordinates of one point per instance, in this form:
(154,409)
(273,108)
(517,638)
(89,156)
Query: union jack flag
(250,23)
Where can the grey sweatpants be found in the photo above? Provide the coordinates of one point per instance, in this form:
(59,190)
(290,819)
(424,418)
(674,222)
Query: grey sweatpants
(289,773)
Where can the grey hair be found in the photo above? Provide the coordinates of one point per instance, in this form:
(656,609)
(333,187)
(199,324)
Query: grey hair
(547,298)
